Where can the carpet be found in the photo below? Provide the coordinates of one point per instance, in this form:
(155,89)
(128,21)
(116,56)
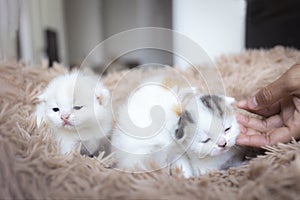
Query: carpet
(32,168)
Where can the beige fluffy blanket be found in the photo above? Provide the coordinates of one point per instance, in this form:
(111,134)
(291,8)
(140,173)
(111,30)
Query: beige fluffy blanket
(32,168)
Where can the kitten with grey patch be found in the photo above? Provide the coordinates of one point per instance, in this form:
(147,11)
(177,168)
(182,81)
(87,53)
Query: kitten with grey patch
(76,108)
(206,133)
(193,132)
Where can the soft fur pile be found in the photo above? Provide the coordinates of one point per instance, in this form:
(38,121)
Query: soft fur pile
(32,168)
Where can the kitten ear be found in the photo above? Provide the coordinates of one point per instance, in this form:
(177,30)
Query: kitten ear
(103,96)
(186,92)
(40,110)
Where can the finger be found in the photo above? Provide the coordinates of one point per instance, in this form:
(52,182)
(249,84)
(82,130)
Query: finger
(293,121)
(269,94)
(290,129)
(243,129)
(287,84)
(247,131)
(296,101)
(256,140)
(288,109)
(273,137)
(266,112)
(251,131)
(262,125)
(242,104)
(282,135)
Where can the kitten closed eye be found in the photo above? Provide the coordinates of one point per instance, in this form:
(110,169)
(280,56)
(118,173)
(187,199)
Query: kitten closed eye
(55,109)
(227,129)
(77,107)
(205,141)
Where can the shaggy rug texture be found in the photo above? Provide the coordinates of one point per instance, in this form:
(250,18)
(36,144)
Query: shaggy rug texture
(32,168)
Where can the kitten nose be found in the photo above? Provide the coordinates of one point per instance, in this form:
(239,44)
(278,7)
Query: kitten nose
(222,145)
(65,116)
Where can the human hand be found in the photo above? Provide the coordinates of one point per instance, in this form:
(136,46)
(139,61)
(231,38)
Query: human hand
(279,103)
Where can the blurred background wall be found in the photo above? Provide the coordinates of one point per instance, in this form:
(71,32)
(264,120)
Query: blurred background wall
(217,26)
(67,30)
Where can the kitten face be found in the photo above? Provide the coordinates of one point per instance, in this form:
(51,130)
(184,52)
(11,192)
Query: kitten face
(209,130)
(66,114)
(72,102)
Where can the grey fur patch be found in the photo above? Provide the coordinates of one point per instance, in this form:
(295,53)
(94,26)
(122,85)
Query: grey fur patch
(214,103)
(185,118)
(179,133)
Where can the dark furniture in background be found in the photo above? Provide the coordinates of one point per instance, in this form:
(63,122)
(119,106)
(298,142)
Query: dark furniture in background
(51,46)
(273,22)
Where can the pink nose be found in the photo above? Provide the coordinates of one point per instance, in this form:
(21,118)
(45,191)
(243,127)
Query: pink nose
(65,116)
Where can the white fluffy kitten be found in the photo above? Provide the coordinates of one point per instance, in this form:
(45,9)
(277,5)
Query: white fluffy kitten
(206,132)
(76,107)
(144,127)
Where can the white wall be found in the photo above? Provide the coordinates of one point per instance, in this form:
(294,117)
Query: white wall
(218,26)
(37,34)
(25,31)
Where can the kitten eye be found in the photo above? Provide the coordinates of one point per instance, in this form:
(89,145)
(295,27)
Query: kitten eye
(227,129)
(55,109)
(205,141)
(77,107)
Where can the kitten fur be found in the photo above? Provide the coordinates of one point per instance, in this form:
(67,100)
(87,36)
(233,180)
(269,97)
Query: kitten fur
(143,127)
(206,133)
(181,127)
(76,107)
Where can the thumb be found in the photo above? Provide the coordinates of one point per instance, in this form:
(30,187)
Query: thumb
(268,95)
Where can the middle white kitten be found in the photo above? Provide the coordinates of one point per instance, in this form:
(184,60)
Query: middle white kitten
(144,125)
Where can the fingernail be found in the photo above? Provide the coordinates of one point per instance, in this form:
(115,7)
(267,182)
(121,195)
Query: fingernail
(252,103)
(297,99)
(241,104)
